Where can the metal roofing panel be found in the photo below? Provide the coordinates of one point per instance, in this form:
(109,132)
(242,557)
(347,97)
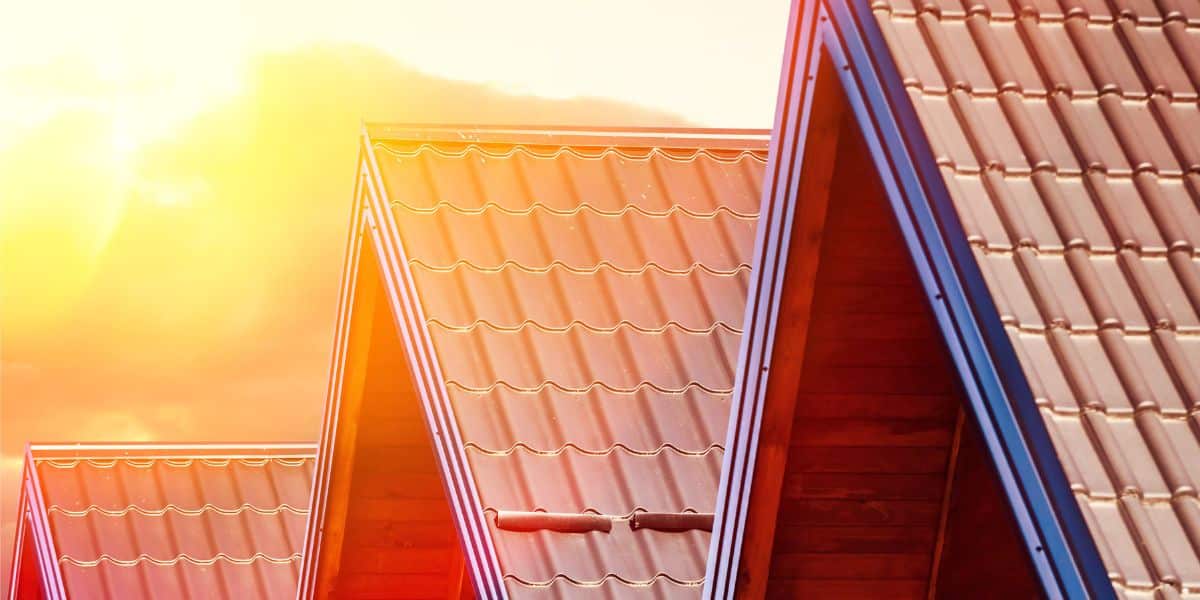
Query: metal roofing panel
(220,521)
(584,293)
(1103,324)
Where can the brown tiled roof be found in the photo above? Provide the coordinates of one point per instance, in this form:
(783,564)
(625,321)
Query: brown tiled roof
(1067,134)
(148,521)
(584,296)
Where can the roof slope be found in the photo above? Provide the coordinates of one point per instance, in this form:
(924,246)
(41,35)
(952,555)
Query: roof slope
(142,521)
(584,294)
(1067,136)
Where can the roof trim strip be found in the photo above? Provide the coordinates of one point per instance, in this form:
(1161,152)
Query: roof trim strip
(771,248)
(409,316)
(309,578)
(608,137)
(172,451)
(43,541)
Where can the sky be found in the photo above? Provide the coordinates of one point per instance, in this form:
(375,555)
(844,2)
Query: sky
(175,180)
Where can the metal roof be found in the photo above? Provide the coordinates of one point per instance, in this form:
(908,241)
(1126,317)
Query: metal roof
(1066,134)
(582,293)
(167,520)
(1041,159)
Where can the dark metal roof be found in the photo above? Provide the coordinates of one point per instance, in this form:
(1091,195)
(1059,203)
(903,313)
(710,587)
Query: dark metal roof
(168,520)
(582,293)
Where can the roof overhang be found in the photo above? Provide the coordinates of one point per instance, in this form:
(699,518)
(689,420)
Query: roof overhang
(845,34)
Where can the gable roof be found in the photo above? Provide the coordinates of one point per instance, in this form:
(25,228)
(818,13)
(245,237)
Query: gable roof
(570,303)
(164,520)
(1040,158)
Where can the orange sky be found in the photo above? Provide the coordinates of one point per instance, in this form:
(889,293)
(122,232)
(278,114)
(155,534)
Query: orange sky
(174,187)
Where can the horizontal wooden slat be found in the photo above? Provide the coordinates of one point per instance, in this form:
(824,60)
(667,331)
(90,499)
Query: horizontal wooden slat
(870,327)
(380,586)
(811,511)
(869,300)
(800,565)
(868,461)
(935,407)
(386,533)
(399,560)
(854,540)
(878,380)
(851,352)
(859,589)
(867,486)
(404,509)
(871,432)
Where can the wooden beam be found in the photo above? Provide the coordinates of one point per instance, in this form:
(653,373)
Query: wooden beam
(792,306)
(947,495)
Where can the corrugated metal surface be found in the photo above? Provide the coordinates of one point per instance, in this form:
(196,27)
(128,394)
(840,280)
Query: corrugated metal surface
(585,302)
(176,522)
(1068,134)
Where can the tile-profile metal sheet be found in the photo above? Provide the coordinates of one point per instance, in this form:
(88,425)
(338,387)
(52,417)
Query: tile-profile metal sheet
(177,522)
(585,302)
(1068,134)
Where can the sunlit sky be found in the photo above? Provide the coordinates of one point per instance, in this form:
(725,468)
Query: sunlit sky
(152,63)
(175,178)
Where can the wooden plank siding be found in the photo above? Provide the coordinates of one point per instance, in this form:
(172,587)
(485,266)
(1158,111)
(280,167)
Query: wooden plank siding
(981,541)
(862,494)
(399,540)
(874,492)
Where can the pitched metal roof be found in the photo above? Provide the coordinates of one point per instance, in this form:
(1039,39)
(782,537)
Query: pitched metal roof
(158,521)
(1066,133)
(582,293)
(1041,158)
